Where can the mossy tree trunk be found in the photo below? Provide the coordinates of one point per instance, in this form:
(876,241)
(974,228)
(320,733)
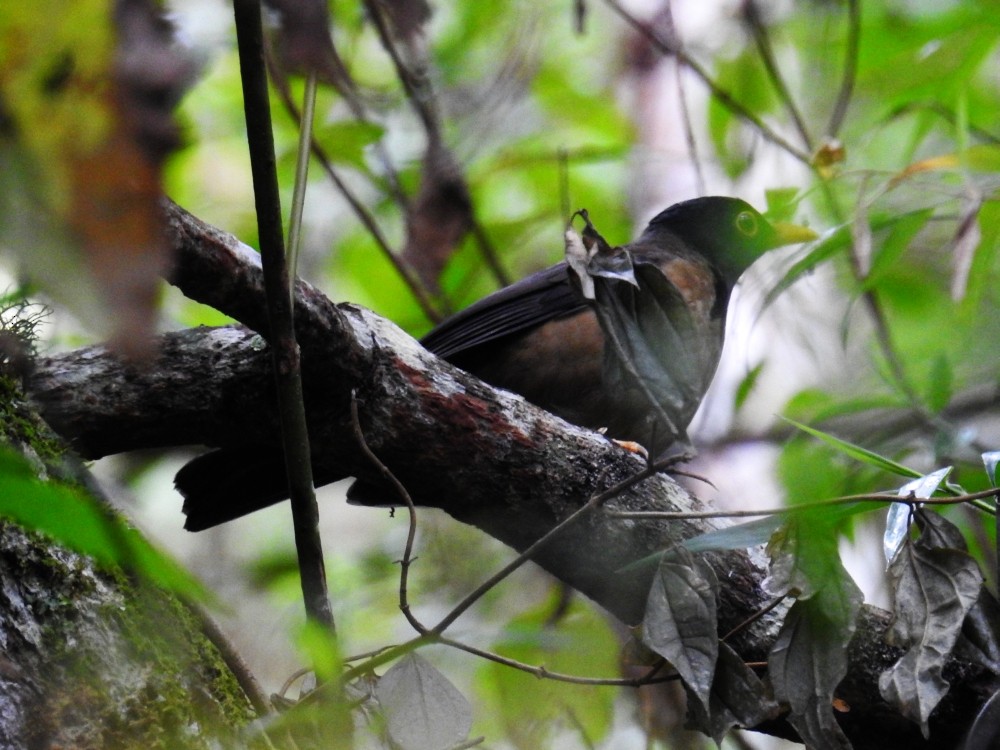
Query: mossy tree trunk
(93,658)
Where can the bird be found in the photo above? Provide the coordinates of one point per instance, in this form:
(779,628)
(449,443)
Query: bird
(542,339)
(634,361)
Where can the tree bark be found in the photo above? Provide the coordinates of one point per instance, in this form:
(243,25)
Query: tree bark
(93,658)
(483,455)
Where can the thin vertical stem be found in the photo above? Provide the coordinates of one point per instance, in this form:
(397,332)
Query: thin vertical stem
(301,178)
(721,95)
(285,352)
(752,16)
(850,68)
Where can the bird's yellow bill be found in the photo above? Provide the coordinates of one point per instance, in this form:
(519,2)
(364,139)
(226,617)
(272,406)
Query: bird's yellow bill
(791,234)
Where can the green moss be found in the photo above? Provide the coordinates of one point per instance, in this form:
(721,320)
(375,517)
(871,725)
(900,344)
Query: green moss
(21,427)
(128,669)
(120,663)
(182,683)
(183,649)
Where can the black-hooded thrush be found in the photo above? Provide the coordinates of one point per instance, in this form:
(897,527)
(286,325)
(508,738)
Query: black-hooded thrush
(635,361)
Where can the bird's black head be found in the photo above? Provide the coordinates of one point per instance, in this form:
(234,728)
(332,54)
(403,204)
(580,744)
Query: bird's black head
(729,232)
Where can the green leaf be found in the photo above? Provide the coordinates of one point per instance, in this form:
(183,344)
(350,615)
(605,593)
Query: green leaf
(321,650)
(939,386)
(898,238)
(811,471)
(738,536)
(781,203)
(81,523)
(857,452)
(345,141)
(804,556)
(723,128)
(991,459)
(838,239)
(983,157)
(746,79)
(831,242)
(815,405)
(528,710)
(745,388)
(932,57)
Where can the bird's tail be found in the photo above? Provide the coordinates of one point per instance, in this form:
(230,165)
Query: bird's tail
(226,484)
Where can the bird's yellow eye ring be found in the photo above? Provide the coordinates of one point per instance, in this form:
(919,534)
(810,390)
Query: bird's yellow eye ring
(746,223)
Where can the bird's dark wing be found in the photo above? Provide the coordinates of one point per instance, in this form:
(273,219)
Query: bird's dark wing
(543,296)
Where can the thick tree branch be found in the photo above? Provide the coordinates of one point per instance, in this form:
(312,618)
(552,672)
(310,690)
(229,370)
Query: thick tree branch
(485,456)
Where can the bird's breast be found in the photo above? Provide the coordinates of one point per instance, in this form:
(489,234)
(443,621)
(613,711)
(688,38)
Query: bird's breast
(697,285)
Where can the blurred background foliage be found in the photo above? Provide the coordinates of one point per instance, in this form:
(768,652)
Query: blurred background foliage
(883,331)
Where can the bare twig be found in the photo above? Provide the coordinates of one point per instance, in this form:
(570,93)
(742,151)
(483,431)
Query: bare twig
(751,15)
(301,180)
(489,253)
(391,654)
(689,139)
(722,96)
(285,352)
(348,90)
(543,673)
(884,338)
(877,497)
(369,654)
(685,110)
(943,112)
(897,369)
(411,534)
(860,250)
(234,660)
(753,618)
(416,87)
(435,634)
(850,68)
(386,655)
(580,16)
(860,263)
(363,214)
(290,680)
(592,504)
(423,100)
(474,742)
